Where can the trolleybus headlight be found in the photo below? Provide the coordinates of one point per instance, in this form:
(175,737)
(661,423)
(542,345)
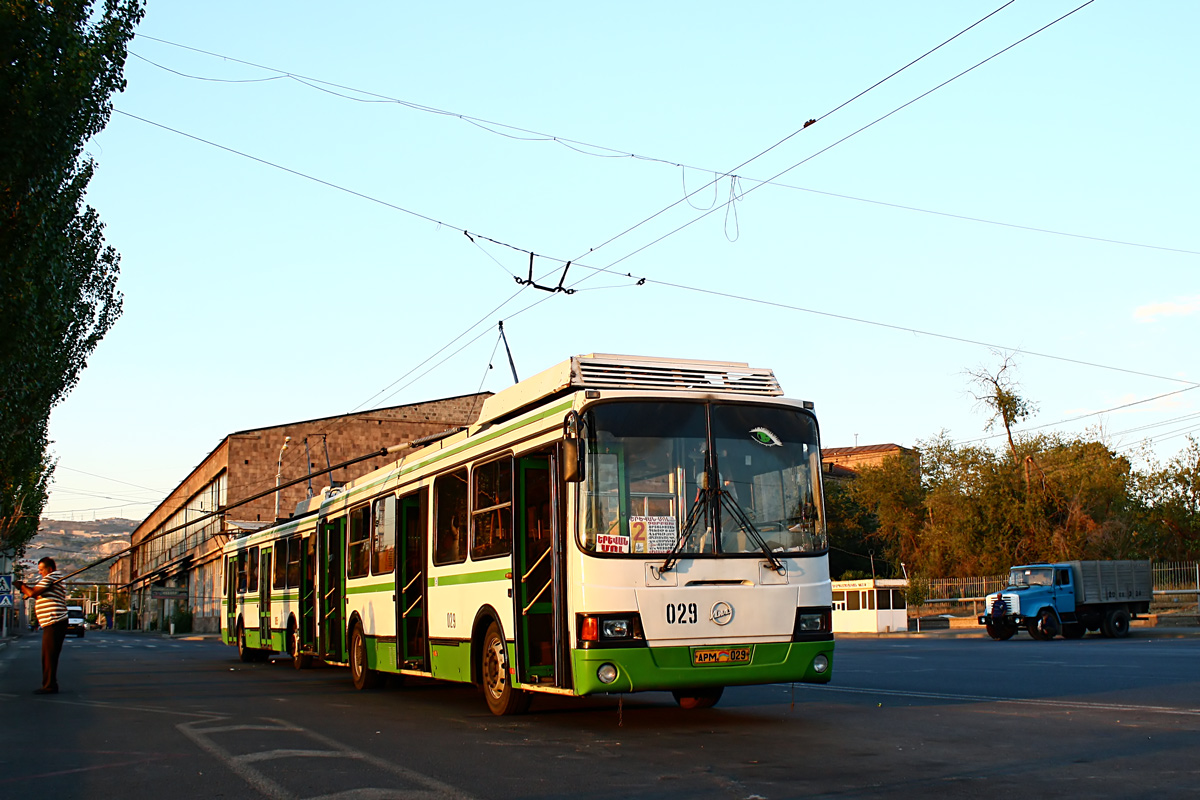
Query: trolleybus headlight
(614,629)
(820,663)
(610,628)
(607,673)
(809,623)
(812,623)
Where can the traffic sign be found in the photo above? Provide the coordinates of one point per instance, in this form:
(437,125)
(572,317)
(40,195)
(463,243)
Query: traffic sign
(5,584)
(6,601)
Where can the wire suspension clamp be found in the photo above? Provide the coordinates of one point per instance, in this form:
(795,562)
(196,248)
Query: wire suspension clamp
(552,289)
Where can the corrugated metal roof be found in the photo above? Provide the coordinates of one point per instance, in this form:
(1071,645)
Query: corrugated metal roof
(861,450)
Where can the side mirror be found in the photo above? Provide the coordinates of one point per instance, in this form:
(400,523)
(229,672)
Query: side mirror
(572,461)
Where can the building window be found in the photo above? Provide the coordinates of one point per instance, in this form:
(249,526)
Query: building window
(491,511)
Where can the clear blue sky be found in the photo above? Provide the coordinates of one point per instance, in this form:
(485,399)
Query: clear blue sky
(255,296)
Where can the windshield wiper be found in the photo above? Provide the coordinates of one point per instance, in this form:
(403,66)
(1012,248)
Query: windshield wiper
(699,508)
(730,504)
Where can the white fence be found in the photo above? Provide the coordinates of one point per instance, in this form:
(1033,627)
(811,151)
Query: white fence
(1174,577)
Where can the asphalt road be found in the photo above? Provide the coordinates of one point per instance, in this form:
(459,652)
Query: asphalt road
(145,717)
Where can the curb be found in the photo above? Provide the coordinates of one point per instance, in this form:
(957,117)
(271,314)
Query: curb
(969,633)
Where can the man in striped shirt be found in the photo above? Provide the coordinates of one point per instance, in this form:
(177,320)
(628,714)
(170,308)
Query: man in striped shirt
(50,610)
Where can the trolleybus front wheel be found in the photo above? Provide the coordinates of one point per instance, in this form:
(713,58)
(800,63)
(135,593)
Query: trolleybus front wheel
(698,698)
(502,698)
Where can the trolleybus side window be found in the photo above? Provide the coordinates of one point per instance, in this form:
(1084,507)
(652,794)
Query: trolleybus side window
(240,566)
(450,512)
(492,509)
(252,570)
(383,535)
(279,573)
(358,543)
(294,547)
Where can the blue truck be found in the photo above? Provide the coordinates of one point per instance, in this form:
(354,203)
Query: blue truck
(1070,598)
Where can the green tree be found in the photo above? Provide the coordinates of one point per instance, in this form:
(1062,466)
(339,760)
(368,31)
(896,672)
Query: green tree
(61,62)
(1170,519)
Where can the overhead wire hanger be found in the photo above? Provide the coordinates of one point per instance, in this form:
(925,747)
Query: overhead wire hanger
(552,289)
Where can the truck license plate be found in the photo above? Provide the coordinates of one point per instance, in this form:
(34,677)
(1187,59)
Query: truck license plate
(721,655)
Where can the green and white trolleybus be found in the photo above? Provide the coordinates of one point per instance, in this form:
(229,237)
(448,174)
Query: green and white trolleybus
(614,524)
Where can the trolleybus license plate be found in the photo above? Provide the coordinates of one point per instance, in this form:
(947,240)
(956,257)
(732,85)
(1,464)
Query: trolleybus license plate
(721,655)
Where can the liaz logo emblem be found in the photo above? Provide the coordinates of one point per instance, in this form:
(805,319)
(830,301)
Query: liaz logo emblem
(721,612)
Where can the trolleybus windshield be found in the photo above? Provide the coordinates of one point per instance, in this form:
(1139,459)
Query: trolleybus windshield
(701,479)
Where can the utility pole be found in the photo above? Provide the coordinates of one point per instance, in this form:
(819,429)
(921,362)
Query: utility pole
(279,474)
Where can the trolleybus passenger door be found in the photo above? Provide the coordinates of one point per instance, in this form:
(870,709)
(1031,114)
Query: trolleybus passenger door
(308,605)
(333,577)
(411,601)
(264,599)
(537,583)
(231,599)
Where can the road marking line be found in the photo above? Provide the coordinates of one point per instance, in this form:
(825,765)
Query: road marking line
(268,755)
(1071,704)
(200,734)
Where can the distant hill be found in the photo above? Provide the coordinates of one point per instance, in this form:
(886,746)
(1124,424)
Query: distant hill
(75,544)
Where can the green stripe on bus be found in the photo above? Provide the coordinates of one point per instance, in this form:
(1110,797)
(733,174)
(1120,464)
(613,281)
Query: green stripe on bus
(471,577)
(386,586)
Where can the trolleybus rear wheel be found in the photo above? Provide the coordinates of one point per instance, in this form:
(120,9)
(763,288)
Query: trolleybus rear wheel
(299,660)
(363,676)
(245,654)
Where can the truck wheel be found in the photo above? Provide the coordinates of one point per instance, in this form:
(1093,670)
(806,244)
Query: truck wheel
(1001,632)
(1116,624)
(1073,630)
(1047,624)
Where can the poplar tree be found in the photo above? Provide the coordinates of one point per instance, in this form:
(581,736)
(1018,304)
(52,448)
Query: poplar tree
(60,63)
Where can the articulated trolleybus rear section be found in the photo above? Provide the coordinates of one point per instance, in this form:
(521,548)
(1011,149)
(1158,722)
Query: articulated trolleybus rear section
(614,524)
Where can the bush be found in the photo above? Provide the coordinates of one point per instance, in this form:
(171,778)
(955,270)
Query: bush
(183,620)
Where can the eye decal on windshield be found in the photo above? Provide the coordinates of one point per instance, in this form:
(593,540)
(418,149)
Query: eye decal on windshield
(765,437)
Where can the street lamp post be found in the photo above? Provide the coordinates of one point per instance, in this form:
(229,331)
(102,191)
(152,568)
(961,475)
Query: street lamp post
(279,474)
